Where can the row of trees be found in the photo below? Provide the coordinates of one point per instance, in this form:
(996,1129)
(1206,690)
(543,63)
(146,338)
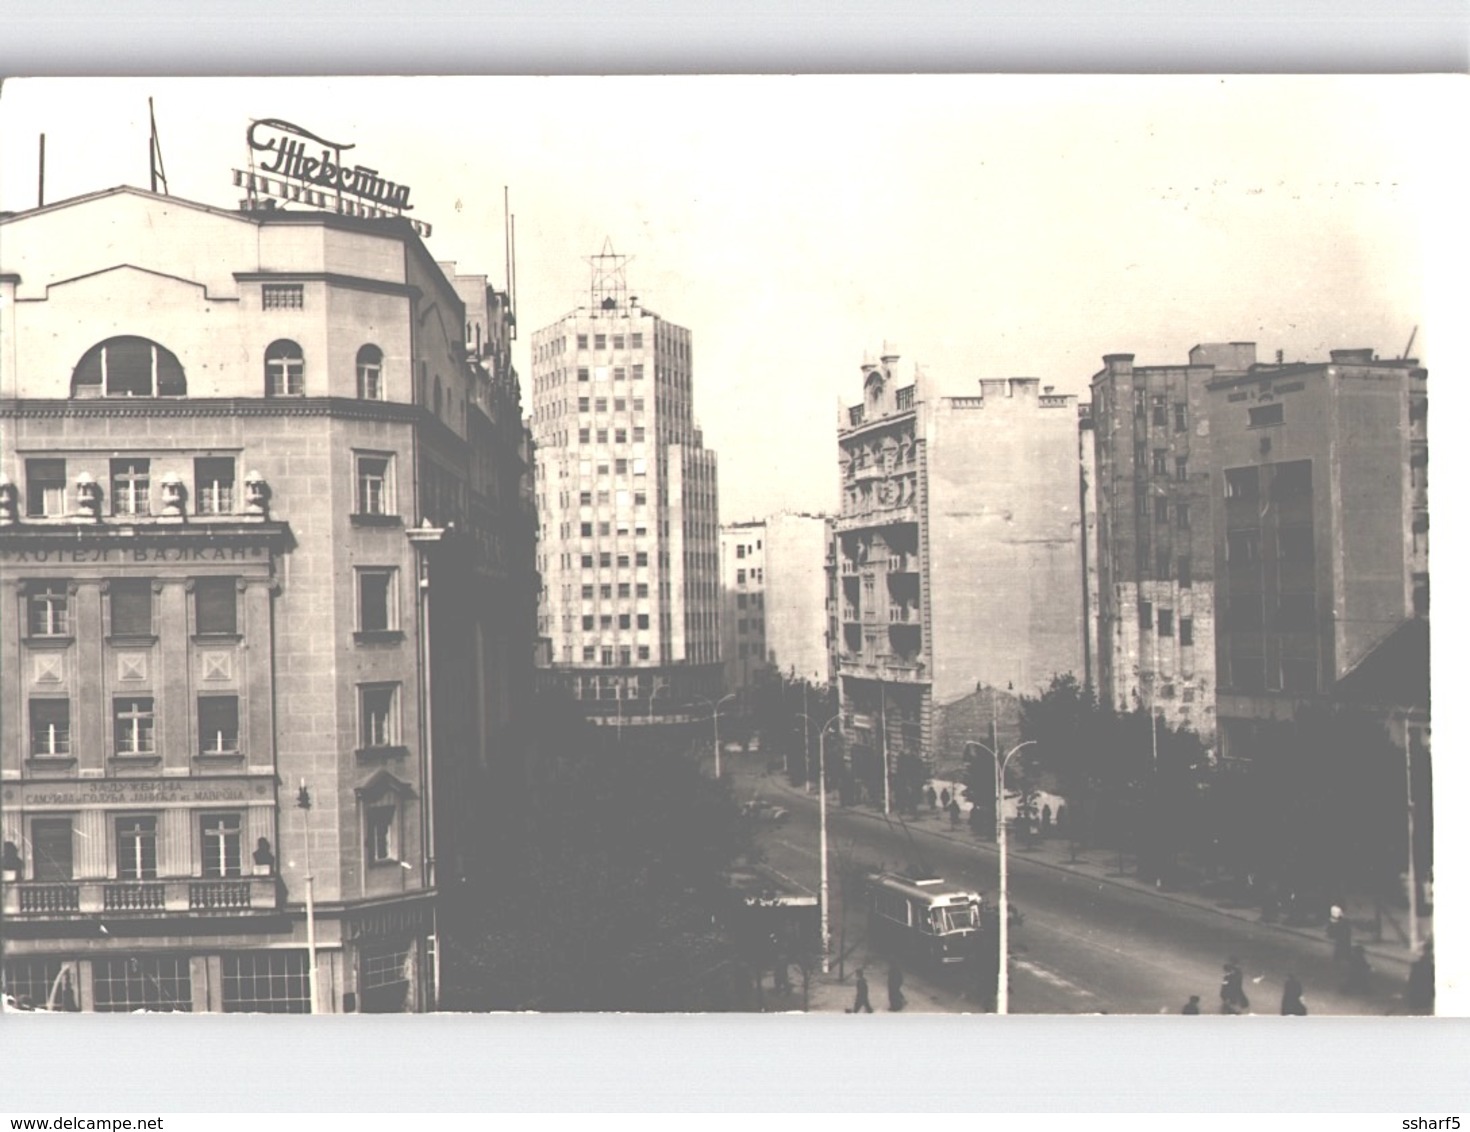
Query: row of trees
(602,888)
(1321,812)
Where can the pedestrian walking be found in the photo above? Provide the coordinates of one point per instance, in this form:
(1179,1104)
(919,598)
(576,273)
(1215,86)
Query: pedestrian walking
(931,797)
(1357,972)
(1420,993)
(1046,820)
(944,797)
(1192,1006)
(861,1004)
(1232,989)
(1291,997)
(1340,932)
(954,813)
(896,999)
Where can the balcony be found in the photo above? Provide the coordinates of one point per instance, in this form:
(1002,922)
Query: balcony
(903,614)
(876,515)
(850,567)
(61,900)
(903,563)
(849,613)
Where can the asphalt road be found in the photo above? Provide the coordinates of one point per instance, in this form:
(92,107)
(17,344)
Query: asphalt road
(1085,946)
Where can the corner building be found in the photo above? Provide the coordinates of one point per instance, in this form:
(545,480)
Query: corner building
(958,560)
(627,496)
(251,480)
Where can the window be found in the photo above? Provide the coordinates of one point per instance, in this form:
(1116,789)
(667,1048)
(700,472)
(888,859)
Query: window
(600,404)
(587,562)
(740,577)
(1243,546)
(1162,563)
(1186,572)
(643,621)
(266,982)
(605,559)
(137,848)
(625,589)
(1292,479)
(586,530)
(370,373)
(1181,468)
(619,373)
(599,342)
(1181,420)
(130,487)
(1181,515)
(1161,412)
(1145,615)
(637,342)
(585,499)
(282,296)
(642,589)
(606,591)
(581,341)
(740,550)
(45,488)
(215,607)
(382,840)
(378,715)
(51,728)
(49,609)
(1296,612)
(620,436)
(641,558)
(219,837)
(1140,455)
(214,485)
(589,622)
(622,560)
(1166,622)
(640,499)
(1186,630)
(589,654)
(1161,461)
(219,725)
(285,368)
(584,374)
(1161,510)
(1242,483)
(375,485)
(617,341)
(51,849)
(145,982)
(128,367)
(1263,415)
(132,725)
(625,621)
(130,602)
(1140,403)
(588,593)
(584,436)
(643,652)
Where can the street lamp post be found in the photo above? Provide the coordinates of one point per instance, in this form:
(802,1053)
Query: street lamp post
(1002,980)
(303,802)
(715,708)
(822,833)
(657,688)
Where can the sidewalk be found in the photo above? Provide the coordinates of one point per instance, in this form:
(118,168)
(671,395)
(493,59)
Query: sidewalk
(1102,865)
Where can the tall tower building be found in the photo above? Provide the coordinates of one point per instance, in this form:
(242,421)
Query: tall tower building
(629,507)
(959,560)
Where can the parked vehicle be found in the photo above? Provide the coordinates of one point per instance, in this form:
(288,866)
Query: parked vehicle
(761,810)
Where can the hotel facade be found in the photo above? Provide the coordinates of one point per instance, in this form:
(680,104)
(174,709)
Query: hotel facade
(261,509)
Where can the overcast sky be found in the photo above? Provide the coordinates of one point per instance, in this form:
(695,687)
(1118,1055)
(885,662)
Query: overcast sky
(985,226)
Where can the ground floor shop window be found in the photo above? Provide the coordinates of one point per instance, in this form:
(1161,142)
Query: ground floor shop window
(146,982)
(385,980)
(41,984)
(267,982)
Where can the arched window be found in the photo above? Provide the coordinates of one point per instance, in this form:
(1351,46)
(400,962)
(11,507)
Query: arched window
(128,367)
(284,369)
(370,373)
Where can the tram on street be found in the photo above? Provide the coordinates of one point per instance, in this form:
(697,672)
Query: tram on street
(926,920)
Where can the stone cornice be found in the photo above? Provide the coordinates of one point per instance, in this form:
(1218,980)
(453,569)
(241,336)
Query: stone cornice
(153,407)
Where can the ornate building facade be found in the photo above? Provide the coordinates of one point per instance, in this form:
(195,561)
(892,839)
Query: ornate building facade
(261,510)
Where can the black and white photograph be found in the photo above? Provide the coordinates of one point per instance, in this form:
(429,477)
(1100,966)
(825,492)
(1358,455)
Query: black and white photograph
(848,545)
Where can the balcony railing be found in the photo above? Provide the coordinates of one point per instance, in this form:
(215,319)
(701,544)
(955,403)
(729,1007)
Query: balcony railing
(63,899)
(903,563)
(903,614)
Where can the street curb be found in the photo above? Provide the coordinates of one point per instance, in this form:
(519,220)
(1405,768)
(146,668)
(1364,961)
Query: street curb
(1373,949)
